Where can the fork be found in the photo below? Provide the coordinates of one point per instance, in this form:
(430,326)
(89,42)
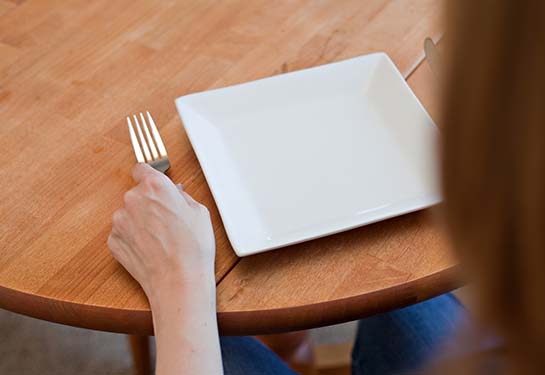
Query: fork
(154,152)
(432,55)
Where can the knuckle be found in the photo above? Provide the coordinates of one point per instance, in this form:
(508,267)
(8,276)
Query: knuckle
(118,218)
(153,182)
(112,244)
(129,198)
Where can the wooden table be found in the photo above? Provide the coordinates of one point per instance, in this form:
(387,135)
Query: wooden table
(70,71)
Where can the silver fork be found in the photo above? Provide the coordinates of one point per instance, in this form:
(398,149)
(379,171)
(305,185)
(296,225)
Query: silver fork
(154,152)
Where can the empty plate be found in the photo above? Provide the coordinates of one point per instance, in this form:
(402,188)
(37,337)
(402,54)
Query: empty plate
(314,152)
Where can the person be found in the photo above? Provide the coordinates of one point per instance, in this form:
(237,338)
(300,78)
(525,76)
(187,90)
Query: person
(493,176)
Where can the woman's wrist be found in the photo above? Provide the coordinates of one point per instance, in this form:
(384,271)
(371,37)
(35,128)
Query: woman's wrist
(183,305)
(184,322)
(175,288)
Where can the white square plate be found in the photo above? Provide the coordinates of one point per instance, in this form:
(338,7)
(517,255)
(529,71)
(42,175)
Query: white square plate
(314,152)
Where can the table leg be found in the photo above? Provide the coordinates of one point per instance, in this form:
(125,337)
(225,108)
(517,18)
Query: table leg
(140,349)
(295,348)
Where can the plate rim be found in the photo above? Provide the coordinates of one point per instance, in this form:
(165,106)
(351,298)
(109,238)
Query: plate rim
(410,205)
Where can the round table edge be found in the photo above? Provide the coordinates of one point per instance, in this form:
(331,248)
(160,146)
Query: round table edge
(253,322)
(260,322)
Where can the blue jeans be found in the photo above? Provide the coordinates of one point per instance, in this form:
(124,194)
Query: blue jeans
(392,343)
(247,356)
(405,340)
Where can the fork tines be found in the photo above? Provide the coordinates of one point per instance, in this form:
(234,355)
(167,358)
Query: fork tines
(150,149)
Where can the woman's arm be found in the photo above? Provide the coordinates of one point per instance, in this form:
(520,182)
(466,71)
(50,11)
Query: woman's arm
(165,240)
(184,319)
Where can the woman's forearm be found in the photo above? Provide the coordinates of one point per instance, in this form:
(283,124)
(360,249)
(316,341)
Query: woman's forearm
(186,331)
(165,239)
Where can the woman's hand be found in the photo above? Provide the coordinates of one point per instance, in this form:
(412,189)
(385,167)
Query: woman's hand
(165,240)
(162,236)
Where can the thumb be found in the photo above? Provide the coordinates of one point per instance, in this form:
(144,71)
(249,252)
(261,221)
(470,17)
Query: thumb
(188,198)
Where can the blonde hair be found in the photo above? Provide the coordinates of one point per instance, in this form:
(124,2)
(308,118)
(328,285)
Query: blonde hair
(493,162)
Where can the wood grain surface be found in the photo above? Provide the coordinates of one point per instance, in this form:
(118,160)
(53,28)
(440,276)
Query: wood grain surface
(69,74)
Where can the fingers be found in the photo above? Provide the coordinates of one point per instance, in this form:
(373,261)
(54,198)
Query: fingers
(119,221)
(120,237)
(117,247)
(141,170)
(150,180)
(123,253)
(145,174)
(114,243)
